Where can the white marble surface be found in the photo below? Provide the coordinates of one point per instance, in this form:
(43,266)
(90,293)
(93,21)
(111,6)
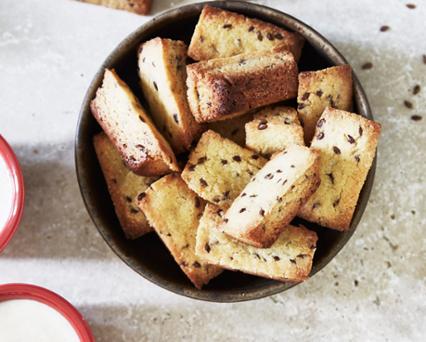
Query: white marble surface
(373,290)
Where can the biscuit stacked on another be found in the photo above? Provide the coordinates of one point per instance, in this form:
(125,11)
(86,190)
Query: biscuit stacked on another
(174,211)
(273,129)
(222,88)
(123,185)
(288,259)
(246,171)
(162,73)
(270,201)
(120,114)
(218,169)
(331,87)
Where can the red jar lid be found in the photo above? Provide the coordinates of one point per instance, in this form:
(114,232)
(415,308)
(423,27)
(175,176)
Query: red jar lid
(56,302)
(11,193)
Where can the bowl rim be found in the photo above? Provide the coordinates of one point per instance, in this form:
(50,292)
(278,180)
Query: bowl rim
(311,35)
(58,303)
(18,196)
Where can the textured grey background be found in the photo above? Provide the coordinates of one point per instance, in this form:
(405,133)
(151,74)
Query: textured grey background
(374,289)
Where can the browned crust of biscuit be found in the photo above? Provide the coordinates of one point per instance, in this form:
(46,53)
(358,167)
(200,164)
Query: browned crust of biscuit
(344,71)
(237,93)
(290,41)
(134,6)
(300,274)
(132,227)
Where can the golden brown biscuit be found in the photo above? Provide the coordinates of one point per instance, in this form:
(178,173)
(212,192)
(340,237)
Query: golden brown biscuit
(135,6)
(288,259)
(221,88)
(174,211)
(273,129)
(123,186)
(126,123)
(221,33)
(162,74)
(346,143)
(331,87)
(273,197)
(218,169)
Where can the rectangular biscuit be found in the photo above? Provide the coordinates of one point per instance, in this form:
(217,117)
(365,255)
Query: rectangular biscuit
(331,87)
(123,186)
(162,74)
(221,33)
(288,259)
(347,144)
(218,169)
(273,129)
(232,129)
(174,211)
(273,197)
(225,87)
(135,6)
(126,123)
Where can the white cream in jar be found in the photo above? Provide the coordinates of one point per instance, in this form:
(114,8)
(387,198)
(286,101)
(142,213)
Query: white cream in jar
(23,320)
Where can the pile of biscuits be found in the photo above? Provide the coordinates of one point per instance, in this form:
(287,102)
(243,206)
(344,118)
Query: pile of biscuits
(217,165)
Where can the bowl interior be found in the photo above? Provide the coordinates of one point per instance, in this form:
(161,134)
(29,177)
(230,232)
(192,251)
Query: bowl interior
(147,255)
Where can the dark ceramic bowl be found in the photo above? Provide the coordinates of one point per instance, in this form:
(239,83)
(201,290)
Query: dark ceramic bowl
(147,255)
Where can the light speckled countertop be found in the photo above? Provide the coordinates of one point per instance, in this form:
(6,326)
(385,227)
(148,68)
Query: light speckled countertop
(373,290)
